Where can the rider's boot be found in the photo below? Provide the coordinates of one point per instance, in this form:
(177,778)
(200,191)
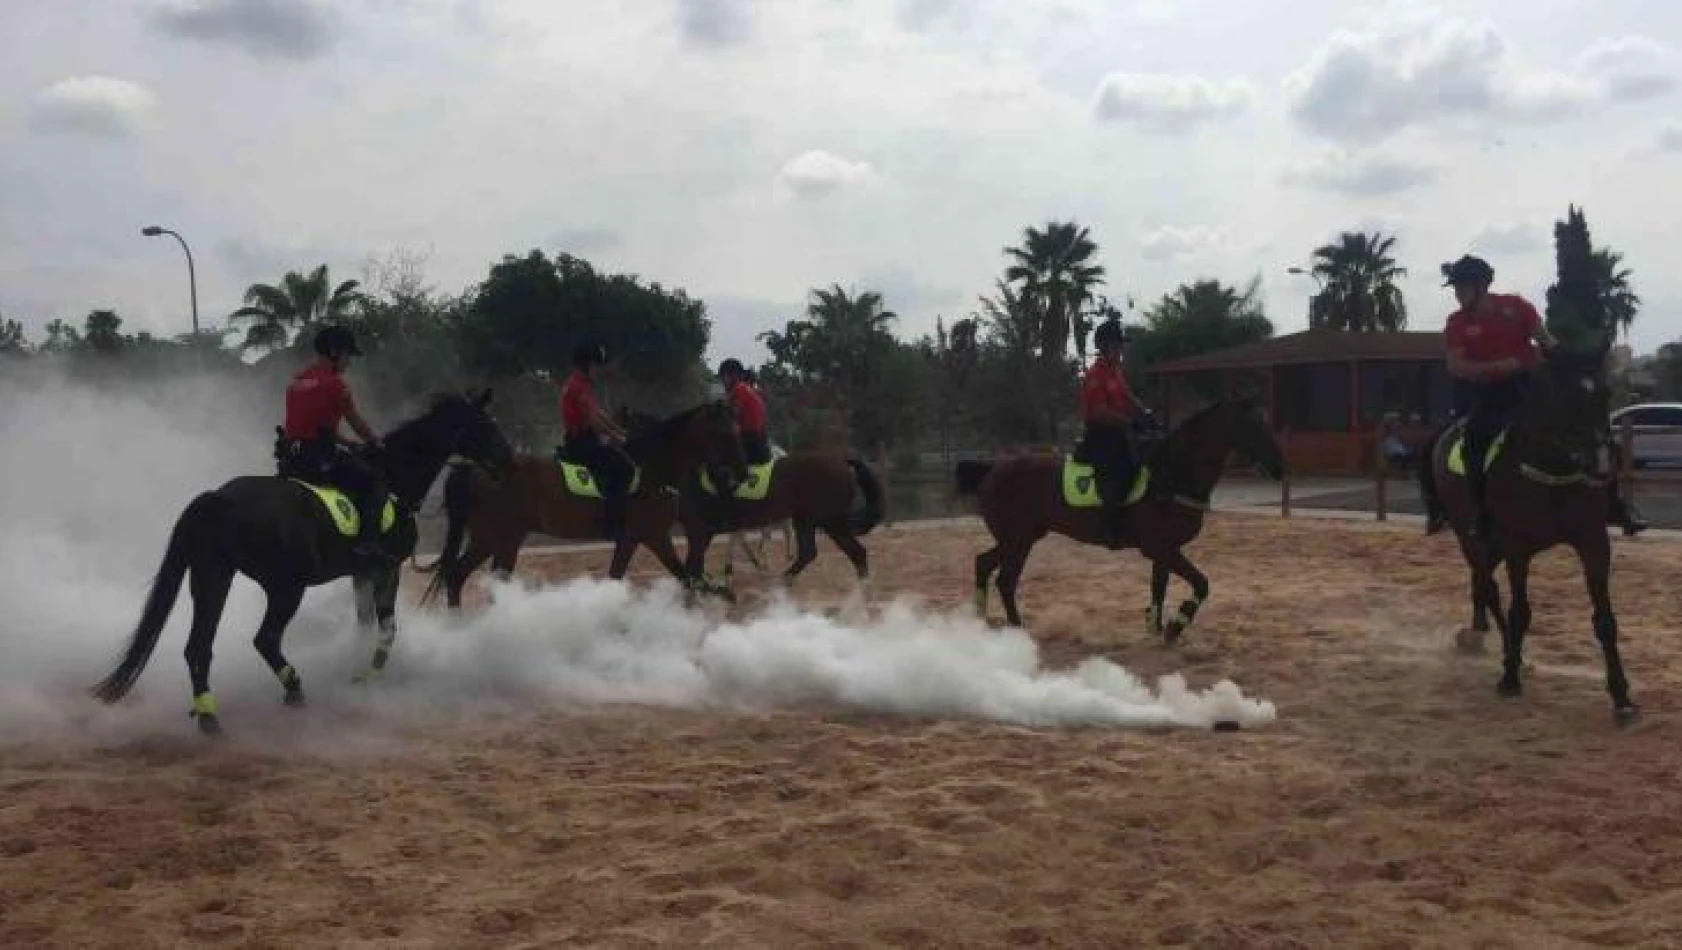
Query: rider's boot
(1622,512)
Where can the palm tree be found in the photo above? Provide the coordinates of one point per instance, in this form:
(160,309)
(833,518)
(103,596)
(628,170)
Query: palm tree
(1358,285)
(1056,282)
(1612,280)
(274,311)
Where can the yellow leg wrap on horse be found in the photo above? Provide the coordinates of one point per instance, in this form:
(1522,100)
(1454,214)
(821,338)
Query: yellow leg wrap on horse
(288,676)
(204,704)
(1153,618)
(981,600)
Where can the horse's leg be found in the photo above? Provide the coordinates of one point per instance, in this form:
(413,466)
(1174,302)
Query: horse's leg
(806,536)
(623,549)
(1596,558)
(1176,562)
(506,555)
(209,585)
(469,562)
(1518,623)
(385,612)
(283,604)
(1159,593)
(850,546)
(985,564)
(1011,561)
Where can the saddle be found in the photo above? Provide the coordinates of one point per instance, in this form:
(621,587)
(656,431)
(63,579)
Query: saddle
(1080,484)
(579,480)
(755,486)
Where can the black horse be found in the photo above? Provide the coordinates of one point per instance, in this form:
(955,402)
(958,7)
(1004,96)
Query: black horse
(277,532)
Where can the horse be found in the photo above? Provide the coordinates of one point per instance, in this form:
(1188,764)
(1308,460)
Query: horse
(1543,490)
(494,515)
(812,491)
(284,536)
(1025,498)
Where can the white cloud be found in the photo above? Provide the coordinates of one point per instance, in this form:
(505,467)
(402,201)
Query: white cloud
(1360,174)
(1632,67)
(283,29)
(1513,237)
(1363,87)
(1670,138)
(817,173)
(94,105)
(1169,102)
(1169,241)
(715,23)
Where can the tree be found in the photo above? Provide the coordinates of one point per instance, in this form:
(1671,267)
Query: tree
(1591,299)
(61,338)
(1197,318)
(530,312)
(102,332)
(1055,277)
(12,341)
(1358,285)
(272,312)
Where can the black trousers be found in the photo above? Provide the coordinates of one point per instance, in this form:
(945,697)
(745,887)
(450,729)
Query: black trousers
(612,471)
(1492,407)
(327,461)
(1110,452)
(756,447)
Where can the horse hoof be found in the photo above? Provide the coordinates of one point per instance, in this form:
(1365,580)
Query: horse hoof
(1171,633)
(1509,689)
(295,698)
(1469,641)
(1626,715)
(1227,725)
(209,725)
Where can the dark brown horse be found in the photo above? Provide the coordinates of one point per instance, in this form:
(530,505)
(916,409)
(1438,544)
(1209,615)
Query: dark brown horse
(1022,501)
(1543,489)
(813,491)
(277,532)
(494,515)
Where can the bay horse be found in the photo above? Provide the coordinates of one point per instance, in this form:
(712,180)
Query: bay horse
(812,491)
(1544,488)
(280,534)
(493,515)
(1022,500)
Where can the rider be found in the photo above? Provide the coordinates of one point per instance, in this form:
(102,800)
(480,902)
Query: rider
(1491,343)
(750,410)
(1107,407)
(585,426)
(317,399)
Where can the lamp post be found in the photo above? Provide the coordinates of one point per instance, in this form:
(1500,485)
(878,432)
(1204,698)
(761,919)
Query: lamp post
(192,280)
(1319,285)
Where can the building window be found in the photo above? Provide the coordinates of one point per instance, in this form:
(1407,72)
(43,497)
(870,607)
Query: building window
(1314,397)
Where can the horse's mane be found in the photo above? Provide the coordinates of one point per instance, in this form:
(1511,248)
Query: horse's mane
(661,432)
(434,402)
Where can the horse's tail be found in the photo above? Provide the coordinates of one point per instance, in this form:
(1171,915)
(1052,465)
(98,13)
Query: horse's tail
(458,487)
(189,529)
(871,516)
(970,473)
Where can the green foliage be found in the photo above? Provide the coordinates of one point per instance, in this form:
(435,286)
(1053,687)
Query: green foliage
(1052,272)
(1591,299)
(273,312)
(1358,285)
(102,332)
(12,341)
(530,312)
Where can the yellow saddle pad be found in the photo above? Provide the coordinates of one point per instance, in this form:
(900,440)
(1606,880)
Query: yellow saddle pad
(343,511)
(753,488)
(581,482)
(1457,455)
(1080,484)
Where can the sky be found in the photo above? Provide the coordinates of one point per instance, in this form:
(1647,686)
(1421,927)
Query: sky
(750,150)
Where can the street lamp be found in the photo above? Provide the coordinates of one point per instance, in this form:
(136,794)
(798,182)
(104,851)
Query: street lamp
(192,281)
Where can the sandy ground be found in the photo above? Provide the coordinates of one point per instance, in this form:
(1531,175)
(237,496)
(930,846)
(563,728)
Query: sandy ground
(1396,801)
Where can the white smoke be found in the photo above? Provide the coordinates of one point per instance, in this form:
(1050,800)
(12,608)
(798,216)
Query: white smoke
(93,481)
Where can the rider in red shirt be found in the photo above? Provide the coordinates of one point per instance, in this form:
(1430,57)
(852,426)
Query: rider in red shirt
(1108,407)
(1492,343)
(310,446)
(586,427)
(750,410)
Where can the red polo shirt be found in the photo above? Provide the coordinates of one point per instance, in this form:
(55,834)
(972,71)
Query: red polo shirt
(1502,332)
(1105,386)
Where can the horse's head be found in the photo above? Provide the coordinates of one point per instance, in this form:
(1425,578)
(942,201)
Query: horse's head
(711,436)
(464,425)
(1571,402)
(1237,422)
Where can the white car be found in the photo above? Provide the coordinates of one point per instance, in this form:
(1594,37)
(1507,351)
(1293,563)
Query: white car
(1658,432)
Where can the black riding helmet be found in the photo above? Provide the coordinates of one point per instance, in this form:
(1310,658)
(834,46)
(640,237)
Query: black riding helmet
(732,366)
(589,354)
(1110,331)
(333,340)
(1468,270)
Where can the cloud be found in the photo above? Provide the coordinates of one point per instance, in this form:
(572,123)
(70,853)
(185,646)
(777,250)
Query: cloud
(1360,174)
(816,173)
(1167,102)
(279,29)
(1169,241)
(583,241)
(1515,237)
(1670,138)
(94,105)
(1363,87)
(1631,68)
(715,23)
(919,15)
